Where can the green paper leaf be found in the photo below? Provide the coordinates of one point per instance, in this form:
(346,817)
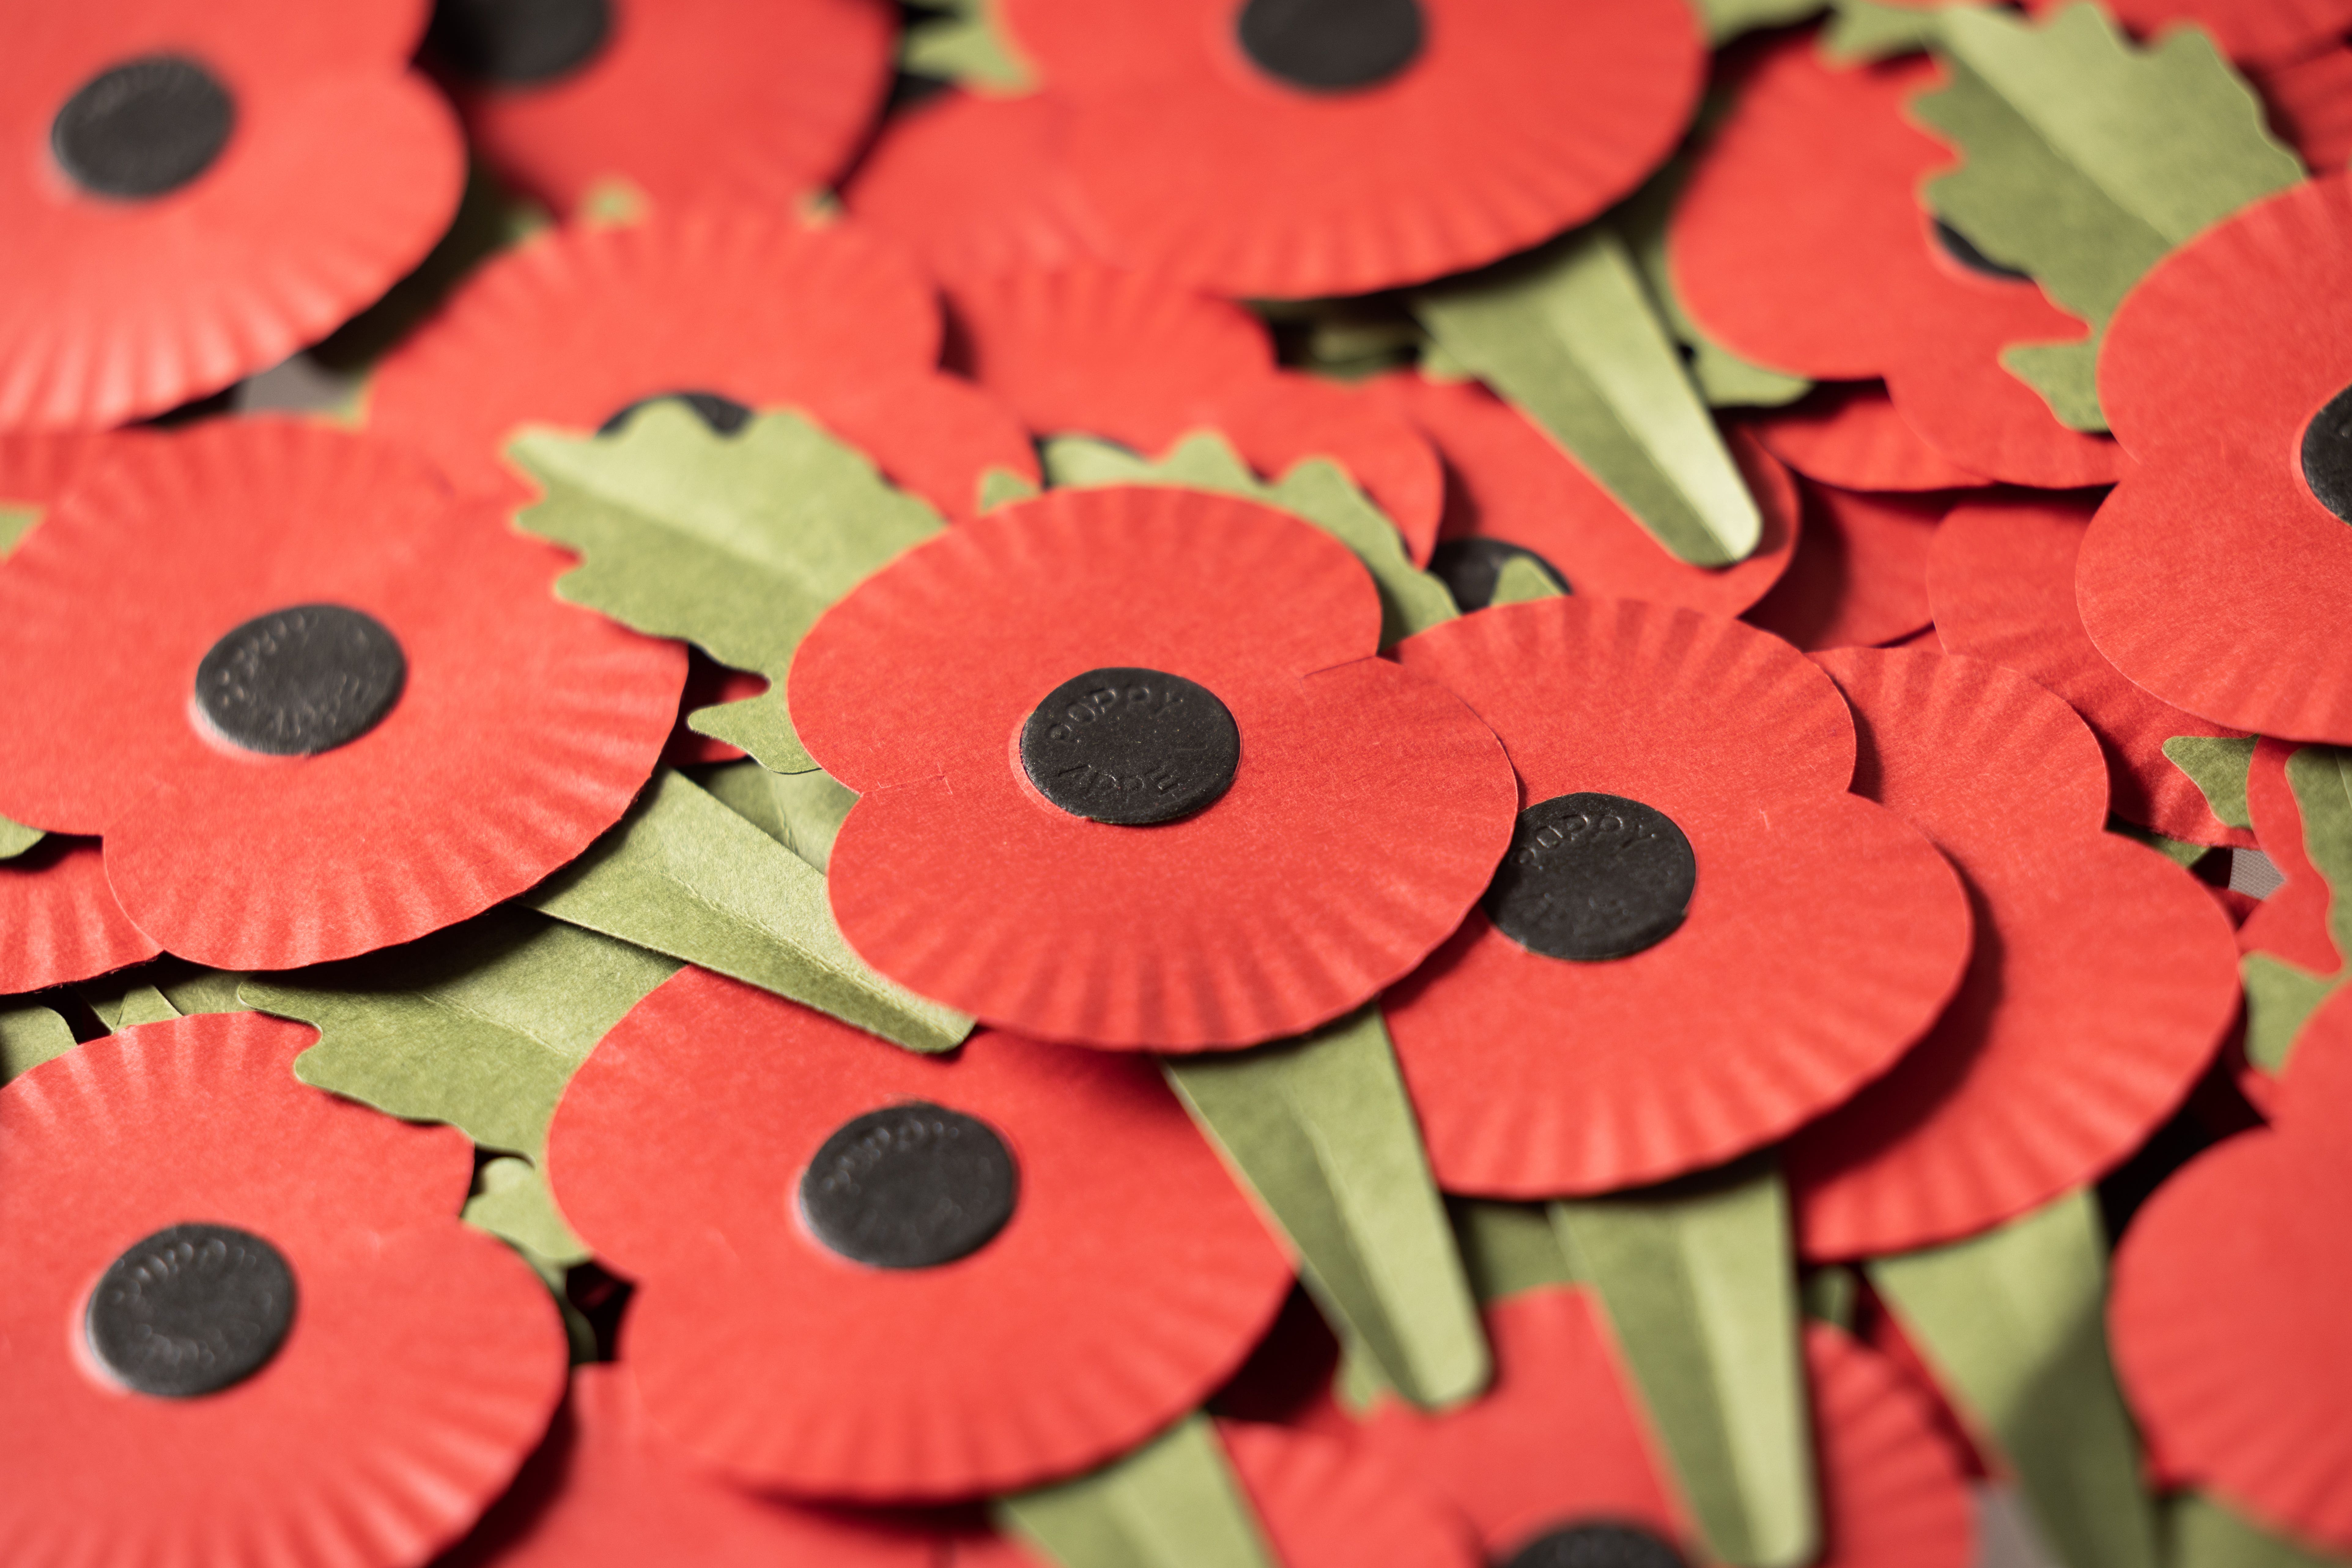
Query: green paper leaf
(1520,581)
(802,812)
(2216,765)
(961,42)
(1320,1128)
(683,876)
(1002,487)
(16,839)
(30,1035)
(157,991)
(1829,1295)
(1509,1248)
(1569,336)
(2279,998)
(2323,794)
(15,521)
(1862,30)
(737,543)
(1728,19)
(511,1202)
(1317,489)
(1700,1287)
(2014,1321)
(2205,1534)
(2085,159)
(479,1026)
(1172,1503)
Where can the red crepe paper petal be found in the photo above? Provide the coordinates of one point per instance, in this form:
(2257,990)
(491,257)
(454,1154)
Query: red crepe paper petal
(442,1336)
(2103,980)
(2292,924)
(2247,30)
(1507,480)
(1131,1280)
(2212,576)
(1892,1486)
(1514,121)
(37,466)
(1860,574)
(340,173)
(1368,814)
(1775,999)
(758,100)
(1801,241)
(1848,434)
(2001,578)
(524,730)
(572,327)
(2310,104)
(61,918)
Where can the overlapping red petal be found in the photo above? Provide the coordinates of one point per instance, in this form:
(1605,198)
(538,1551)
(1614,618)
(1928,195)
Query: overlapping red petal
(2252,31)
(2292,924)
(1859,577)
(1849,434)
(62,917)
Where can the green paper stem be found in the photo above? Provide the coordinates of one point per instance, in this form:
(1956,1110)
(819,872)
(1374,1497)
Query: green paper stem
(1172,1503)
(2014,1322)
(1699,1283)
(1726,19)
(2217,765)
(2203,1533)
(1507,1248)
(30,1035)
(2279,998)
(1861,31)
(961,41)
(2323,795)
(16,839)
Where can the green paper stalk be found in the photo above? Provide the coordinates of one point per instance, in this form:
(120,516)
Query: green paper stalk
(1508,1248)
(30,1035)
(1172,1503)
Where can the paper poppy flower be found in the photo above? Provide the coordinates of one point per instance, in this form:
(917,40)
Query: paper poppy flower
(606,1488)
(211,1270)
(62,922)
(1510,488)
(1133,776)
(2310,105)
(2225,374)
(732,308)
(1859,578)
(1559,1451)
(1801,241)
(1691,894)
(758,100)
(1849,433)
(2226,1317)
(2103,979)
(192,194)
(1289,151)
(1019,1261)
(313,704)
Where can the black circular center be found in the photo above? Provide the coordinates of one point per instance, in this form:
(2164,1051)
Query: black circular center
(2327,454)
(1592,876)
(1470,568)
(723,414)
(299,681)
(910,1186)
(143,128)
(1597,1546)
(1332,46)
(515,43)
(1962,249)
(1132,747)
(190,1310)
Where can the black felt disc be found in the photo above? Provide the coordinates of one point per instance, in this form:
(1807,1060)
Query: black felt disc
(1597,1546)
(1330,46)
(515,43)
(1130,747)
(2327,454)
(1962,249)
(301,680)
(1470,568)
(190,1311)
(724,415)
(143,128)
(1592,876)
(910,1186)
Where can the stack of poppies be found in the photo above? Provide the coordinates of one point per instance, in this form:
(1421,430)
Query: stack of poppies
(1176,783)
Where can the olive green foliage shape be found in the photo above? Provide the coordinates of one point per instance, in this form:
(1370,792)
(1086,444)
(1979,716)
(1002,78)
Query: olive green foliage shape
(1174,1502)
(2217,765)
(961,41)
(2281,995)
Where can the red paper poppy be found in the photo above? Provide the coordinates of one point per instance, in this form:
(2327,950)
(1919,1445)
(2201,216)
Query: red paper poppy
(37,466)
(1859,578)
(1130,1277)
(1559,1441)
(607,1487)
(2310,105)
(1507,481)
(2103,980)
(757,100)
(1364,811)
(2291,922)
(2215,575)
(196,192)
(1257,154)
(1802,241)
(2227,1317)
(1849,434)
(1543,1066)
(2247,30)
(62,922)
(2000,579)
(1096,349)
(198,634)
(441,1336)
(753,308)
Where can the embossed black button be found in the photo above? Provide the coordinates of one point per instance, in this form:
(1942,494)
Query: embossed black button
(515,43)
(1332,46)
(143,128)
(910,1186)
(724,415)
(1962,249)
(2327,454)
(1131,747)
(1592,876)
(191,1309)
(1470,568)
(1597,1545)
(299,681)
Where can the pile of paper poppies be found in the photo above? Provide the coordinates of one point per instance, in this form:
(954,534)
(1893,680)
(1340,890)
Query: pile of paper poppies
(1175,784)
